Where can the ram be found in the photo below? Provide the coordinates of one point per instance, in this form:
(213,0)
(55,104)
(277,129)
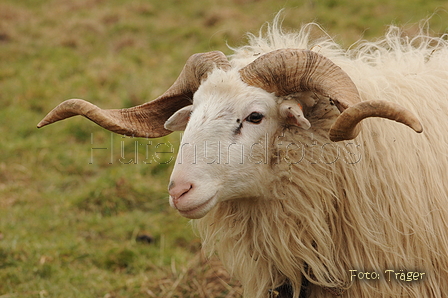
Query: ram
(287,181)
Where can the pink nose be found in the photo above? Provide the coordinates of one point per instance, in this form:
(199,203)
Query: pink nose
(178,189)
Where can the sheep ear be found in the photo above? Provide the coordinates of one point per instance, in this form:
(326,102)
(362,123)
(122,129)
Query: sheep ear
(292,111)
(178,121)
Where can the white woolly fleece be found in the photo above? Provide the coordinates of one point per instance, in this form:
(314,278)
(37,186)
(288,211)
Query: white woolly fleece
(377,203)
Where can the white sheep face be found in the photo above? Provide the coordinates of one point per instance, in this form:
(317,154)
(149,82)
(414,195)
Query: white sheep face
(223,154)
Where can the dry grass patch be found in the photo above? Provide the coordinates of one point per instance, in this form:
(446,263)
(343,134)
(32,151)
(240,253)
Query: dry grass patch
(201,278)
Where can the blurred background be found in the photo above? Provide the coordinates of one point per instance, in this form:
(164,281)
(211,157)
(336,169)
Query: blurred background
(85,213)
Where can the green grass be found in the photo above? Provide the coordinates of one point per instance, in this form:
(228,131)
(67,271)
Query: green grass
(68,223)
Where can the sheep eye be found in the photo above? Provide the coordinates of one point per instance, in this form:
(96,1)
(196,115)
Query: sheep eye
(255,117)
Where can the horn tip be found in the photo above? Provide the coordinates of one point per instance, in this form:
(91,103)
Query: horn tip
(42,123)
(418,128)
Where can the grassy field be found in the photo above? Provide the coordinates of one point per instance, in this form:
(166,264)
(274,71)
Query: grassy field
(74,198)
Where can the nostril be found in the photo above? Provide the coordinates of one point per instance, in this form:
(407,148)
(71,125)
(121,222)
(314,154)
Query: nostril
(177,190)
(186,190)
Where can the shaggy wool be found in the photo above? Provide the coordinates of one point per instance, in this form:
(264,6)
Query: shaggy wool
(360,218)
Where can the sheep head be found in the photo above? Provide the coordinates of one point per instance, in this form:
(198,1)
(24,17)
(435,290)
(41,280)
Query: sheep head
(225,111)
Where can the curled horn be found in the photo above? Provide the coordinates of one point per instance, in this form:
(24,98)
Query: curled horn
(145,120)
(289,71)
(344,128)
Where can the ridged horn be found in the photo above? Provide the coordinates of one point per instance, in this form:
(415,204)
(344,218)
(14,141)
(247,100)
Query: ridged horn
(344,126)
(289,71)
(145,120)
